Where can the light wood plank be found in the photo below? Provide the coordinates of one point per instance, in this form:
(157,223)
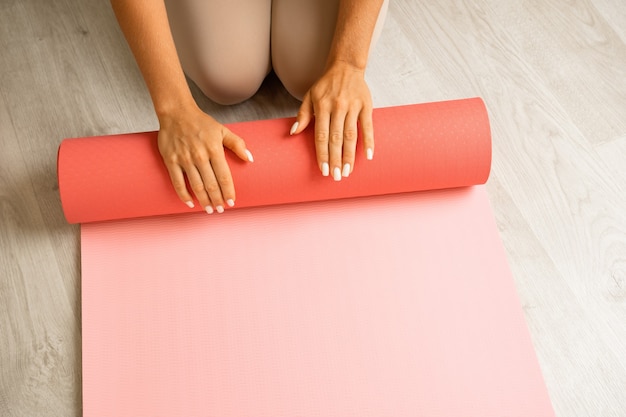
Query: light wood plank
(39,325)
(613,12)
(613,154)
(396,72)
(579,55)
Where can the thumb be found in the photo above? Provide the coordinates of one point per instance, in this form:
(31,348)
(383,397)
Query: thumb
(305,115)
(237,145)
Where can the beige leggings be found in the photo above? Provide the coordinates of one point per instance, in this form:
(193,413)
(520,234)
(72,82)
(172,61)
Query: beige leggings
(227,47)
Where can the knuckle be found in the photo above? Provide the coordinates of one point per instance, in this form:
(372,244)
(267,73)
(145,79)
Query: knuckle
(179,186)
(198,155)
(184,161)
(316,94)
(215,149)
(212,188)
(336,138)
(366,114)
(350,134)
(197,188)
(340,104)
(301,114)
(366,122)
(321,136)
(224,180)
(240,142)
(323,157)
(171,159)
(321,104)
(348,157)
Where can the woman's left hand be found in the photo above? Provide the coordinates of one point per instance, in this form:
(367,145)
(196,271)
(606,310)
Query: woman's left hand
(339,101)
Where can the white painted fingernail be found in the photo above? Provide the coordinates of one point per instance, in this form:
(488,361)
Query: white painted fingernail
(249,155)
(208,209)
(346,170)
(219,209)
(294,127)
(370,154)
(230,202)
(189,204)
(325,169)
(337,174)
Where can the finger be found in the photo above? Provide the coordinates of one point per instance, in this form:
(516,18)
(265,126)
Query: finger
(222,188)
(178,181)
(212,186)
(322,129)
(238,146)
(335,143)
(350,135)
(367,130)
(198,188)
(305,115)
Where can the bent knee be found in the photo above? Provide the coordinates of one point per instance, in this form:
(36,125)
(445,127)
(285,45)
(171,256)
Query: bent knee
(226,88)
(297,88)
(297,75)
(297,84)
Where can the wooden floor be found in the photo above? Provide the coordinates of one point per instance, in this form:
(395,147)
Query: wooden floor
(553,75)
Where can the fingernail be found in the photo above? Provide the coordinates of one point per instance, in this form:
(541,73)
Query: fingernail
(337,174)
(294,127)
(325,169)
(189,204)
(208,209)
(230,202)
(249,155)
(370,154)
(346,170)
(219,209)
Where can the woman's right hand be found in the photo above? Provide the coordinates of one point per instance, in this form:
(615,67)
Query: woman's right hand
(192,145)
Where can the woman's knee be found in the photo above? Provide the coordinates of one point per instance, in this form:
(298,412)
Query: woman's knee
(302,33)
(300,46)
(223,46)
(228,87)
(298,83)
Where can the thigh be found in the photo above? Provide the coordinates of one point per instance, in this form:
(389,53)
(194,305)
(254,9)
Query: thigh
(302,33)
(223,45)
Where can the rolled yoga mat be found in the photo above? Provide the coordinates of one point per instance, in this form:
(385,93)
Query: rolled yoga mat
(302,301)
(422,147)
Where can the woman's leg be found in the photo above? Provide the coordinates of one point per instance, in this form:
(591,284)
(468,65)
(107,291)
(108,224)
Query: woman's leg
(223,45)
(302,32)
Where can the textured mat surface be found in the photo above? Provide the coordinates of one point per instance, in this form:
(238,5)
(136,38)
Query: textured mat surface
(364,298)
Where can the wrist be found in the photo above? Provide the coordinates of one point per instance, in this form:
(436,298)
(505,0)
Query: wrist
(343,66)
(172,107)
(354,63)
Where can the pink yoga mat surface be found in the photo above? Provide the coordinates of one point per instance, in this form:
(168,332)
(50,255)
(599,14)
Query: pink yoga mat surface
(366,297)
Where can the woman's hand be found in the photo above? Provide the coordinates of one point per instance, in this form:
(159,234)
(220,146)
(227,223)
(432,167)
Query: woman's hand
(339,101)
(192,145)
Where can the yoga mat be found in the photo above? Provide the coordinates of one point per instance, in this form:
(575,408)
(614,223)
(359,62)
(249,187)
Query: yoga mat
(391,303)
(422,147)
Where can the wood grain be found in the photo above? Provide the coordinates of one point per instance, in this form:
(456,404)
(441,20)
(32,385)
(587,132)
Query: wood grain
(553,75)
